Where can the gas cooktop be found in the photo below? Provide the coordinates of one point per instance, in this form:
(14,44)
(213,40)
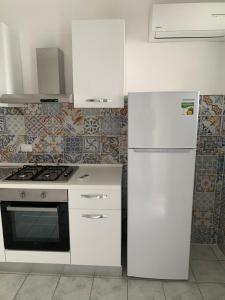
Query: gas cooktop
(43,173)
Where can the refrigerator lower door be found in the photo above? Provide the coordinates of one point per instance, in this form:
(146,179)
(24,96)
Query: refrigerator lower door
(160,193)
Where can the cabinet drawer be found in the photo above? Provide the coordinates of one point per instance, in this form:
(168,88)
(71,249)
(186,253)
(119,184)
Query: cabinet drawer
(95,237)
(95,199)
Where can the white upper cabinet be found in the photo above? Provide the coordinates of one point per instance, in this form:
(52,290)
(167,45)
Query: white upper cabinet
(10,62)
(98,63)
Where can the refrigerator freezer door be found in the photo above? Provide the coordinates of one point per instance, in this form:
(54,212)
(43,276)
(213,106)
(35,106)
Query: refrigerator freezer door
(160,193)
(163,120)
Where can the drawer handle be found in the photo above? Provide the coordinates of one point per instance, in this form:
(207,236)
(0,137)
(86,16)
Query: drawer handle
(99,100)
(93,216)
(97,196)
(22,195)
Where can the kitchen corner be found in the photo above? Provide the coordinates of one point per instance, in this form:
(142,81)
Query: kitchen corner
(112,150)
(62,218)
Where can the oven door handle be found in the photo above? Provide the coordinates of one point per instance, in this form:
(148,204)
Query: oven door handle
(37,209)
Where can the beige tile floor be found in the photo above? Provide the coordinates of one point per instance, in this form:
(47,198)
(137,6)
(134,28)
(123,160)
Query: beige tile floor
(206,281)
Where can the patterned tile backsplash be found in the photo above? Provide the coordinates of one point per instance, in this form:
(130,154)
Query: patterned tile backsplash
(209,171)
(59,132)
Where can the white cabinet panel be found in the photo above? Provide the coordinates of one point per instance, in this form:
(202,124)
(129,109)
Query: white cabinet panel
(2,247)
(44,257)
(98,63)
(95,199)
(160,195)
(95,237)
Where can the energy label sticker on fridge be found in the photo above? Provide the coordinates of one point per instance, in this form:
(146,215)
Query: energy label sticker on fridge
(187,107)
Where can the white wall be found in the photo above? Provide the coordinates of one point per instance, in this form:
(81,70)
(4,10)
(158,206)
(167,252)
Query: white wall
(164,66)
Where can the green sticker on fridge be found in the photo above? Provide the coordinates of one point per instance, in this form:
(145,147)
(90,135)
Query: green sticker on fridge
(187,107)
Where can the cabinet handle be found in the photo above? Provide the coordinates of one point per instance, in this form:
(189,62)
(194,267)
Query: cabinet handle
(22,195)
(43,195)
(97,196)
(99,100)
(93,216)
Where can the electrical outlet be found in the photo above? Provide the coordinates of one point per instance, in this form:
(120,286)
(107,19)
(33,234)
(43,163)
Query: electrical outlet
(25,147)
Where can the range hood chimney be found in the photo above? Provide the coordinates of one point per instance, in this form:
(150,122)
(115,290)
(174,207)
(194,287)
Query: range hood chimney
(50,70)
(51,82)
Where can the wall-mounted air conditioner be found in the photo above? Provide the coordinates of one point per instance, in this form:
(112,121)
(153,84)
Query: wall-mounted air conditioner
(187,21)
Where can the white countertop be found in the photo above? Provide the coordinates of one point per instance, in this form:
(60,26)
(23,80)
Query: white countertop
(100,176)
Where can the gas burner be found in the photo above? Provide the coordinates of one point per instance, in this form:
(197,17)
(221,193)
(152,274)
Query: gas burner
(43,173)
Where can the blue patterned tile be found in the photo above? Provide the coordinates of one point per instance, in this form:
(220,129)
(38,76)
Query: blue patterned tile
(204,201)
(45,158)
(91,125)
(223,126)
(207,164)
(111,123)
(110,145)
(51,109)
(205,183)
(91,158)
(209,145)
(219,183)
(112,158)
(220,164)
(202,218)
(10,148)
(53,144)
(72,158)
(123,159)
(46,144)
(203,234)
(15,111)
(210,125)
(32,109)
(211,105)
(34,126)
(2,110)
(93,112)
(73,144)
(73,122)
(15,125)
(91,144)
(52,125)
(2,124)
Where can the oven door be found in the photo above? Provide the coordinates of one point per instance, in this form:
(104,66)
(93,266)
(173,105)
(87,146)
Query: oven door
(35,225)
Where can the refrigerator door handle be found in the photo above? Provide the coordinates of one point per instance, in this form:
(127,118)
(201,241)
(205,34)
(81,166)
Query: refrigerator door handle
(166,150)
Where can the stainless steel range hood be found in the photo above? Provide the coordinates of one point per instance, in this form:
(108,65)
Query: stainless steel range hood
(51,83)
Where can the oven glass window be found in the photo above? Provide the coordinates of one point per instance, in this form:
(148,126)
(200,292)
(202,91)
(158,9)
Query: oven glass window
(35,226)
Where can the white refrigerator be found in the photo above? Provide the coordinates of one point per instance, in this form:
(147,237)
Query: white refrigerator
(162,135)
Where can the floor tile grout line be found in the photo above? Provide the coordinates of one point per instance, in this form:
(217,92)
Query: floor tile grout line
(92,284)
(198,287)
(127,288)
(56,286)
(192,273)
(163,289)
(17,292)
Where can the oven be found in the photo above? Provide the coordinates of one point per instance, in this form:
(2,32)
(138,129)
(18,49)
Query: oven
(35,219)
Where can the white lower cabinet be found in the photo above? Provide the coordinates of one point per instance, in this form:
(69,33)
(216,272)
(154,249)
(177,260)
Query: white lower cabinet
(95,237)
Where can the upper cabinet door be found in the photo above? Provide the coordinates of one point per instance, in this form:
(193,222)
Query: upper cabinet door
(98,63)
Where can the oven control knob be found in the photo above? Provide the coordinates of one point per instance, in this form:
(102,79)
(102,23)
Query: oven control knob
(43,195)
(22,195)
